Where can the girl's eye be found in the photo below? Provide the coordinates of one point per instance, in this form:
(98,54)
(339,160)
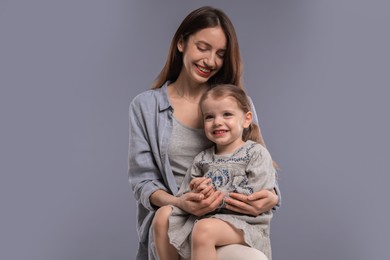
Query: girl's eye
(227,114)
(208,117)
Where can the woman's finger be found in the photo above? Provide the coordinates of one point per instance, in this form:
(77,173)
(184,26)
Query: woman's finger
(254,204)
(192,196)
(238,196)
(261,195)
(239,207)
(239,203)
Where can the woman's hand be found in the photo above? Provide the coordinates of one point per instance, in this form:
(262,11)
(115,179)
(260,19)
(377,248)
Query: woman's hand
(196,203)
(254,204)
(202,185)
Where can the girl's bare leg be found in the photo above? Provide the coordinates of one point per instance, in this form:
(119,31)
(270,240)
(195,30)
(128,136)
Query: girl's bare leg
(165,250)
(211,232)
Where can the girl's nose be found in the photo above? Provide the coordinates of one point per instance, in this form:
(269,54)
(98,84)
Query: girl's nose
(217,121)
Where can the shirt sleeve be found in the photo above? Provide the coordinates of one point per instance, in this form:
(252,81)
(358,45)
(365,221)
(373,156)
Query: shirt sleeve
(143,173)
(277,189)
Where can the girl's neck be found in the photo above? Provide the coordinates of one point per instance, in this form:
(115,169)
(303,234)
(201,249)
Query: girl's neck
(228,149)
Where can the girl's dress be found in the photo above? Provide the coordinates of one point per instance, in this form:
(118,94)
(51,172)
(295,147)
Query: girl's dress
(247,170)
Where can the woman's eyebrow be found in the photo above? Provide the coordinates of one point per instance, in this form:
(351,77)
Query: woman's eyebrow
(203,42)
(208,44)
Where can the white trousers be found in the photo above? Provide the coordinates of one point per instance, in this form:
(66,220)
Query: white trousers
(238,252)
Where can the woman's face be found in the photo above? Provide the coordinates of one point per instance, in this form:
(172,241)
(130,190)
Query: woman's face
(203,54)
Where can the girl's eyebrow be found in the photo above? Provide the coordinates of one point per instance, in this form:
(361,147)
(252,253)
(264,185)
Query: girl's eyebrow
(228,110)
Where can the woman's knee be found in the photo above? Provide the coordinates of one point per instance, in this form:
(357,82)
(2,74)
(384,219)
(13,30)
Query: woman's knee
(160,220)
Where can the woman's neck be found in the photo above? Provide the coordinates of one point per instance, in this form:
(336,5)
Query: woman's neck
(188,89)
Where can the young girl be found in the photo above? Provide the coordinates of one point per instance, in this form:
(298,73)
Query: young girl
(239,163)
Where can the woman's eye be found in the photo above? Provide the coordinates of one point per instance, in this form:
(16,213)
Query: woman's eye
(221,55)
(202,49)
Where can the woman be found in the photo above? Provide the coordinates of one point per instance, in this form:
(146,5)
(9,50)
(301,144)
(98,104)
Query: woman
(166,124)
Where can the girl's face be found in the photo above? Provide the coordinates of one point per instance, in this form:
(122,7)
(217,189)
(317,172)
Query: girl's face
(203,54)
(224,122)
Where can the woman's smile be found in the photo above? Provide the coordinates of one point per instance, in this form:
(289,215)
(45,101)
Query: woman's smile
(203,71)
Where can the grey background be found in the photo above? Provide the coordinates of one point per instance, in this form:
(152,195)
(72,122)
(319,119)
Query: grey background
(318,72)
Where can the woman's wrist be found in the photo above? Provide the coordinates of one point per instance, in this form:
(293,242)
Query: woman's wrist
(161,198)
(177,202)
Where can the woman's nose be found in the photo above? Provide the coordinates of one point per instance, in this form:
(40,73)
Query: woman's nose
(211,60)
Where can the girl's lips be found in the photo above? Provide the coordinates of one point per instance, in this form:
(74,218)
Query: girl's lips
(219,132)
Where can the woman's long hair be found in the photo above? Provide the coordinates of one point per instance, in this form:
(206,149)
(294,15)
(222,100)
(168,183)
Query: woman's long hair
(202,18)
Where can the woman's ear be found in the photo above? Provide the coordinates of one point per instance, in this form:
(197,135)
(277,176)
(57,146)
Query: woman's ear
(180,45)
(248,119)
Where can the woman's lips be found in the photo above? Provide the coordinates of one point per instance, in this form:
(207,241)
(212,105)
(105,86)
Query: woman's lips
(203,71)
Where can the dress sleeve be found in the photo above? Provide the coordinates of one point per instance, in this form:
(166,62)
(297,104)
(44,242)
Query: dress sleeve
(260,170)
(143,173)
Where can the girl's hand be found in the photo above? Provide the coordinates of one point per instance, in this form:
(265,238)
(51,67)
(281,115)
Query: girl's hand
(254,204)
(197,204)
(202,185)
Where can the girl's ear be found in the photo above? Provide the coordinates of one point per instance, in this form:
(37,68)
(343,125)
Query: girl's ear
(248,119)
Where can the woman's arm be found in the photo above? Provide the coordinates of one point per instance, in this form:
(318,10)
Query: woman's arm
(191,202)
(144,176)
